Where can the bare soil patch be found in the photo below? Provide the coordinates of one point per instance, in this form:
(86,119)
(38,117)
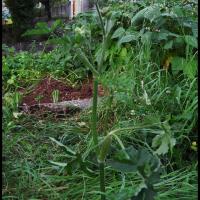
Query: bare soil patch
(44,89)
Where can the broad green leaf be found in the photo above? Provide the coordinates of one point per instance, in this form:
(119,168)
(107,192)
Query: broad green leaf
(191,69)
(162,36)
(163,142)
(127,38)
(150,13)
(178,63)
(167,14)
(143,157)
(122,166)
(191,40)
(146,37)
(194,26)
(118,33)
(168,45)
(139,160)
(109,25)
(179,42)
(178,11)
(158,36)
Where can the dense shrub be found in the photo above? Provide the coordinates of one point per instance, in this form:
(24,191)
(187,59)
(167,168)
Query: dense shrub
(22,13)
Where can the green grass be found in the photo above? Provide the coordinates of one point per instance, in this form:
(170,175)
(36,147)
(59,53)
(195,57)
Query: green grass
(27,174)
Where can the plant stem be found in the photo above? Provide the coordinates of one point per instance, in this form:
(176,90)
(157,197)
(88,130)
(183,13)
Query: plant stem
(100,17)
(94,119)
(102,180)
(109,104)
(94,114)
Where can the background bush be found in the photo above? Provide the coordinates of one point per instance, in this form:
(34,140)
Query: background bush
(22,13)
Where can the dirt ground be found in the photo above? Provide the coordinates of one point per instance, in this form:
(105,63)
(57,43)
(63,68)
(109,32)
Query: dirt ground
(43,91)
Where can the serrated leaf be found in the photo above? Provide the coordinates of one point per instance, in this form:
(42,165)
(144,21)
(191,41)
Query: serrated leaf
(163,142)
(118,33)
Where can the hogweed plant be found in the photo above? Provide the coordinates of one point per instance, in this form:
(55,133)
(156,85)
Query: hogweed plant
(103,147)
(145,162)
(96,72)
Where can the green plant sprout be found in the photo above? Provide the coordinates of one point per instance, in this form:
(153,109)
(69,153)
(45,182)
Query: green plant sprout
(55,96)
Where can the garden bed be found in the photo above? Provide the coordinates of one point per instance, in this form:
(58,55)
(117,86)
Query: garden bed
(69,99)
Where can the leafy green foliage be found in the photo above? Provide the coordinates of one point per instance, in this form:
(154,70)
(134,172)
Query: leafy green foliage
(65,167)
(118,33)
(189,67)
(42,28)
(164,141)
(132,160)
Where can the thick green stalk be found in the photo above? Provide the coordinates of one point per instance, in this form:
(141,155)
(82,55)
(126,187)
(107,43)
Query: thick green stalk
(95,93)
(102,181)
(94,114)
(109,104)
